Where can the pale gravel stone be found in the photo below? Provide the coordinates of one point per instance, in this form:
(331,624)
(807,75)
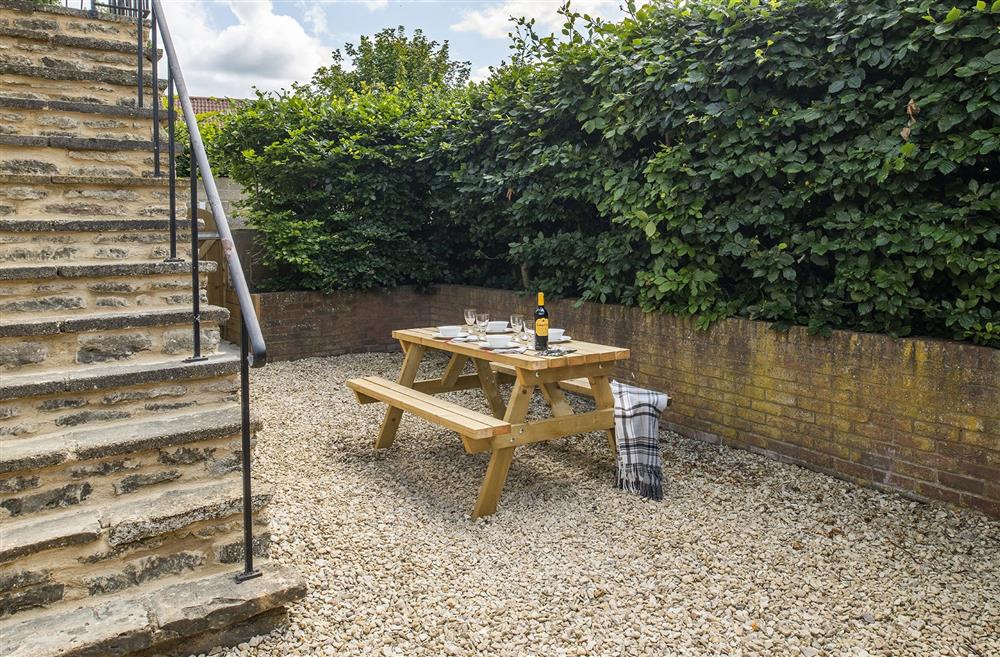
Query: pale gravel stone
(740,558)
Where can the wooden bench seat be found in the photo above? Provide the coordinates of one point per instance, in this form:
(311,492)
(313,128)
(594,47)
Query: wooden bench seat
(576,386)
(468,423)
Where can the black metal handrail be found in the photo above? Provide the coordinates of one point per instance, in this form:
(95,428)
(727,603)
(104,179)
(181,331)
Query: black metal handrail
(253,351)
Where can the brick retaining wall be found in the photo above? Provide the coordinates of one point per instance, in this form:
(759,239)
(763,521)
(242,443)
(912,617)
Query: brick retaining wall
(917,416)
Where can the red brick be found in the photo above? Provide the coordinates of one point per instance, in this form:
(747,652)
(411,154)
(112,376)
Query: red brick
(958,482)
(930,490)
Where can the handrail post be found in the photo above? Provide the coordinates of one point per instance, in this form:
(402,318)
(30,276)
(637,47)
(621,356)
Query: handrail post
(195,269)
(248,569)
(156,97)
(172,166)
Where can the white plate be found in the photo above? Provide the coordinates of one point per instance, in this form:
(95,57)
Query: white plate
(561,340)
(509,345)
(461,334)
(506,330)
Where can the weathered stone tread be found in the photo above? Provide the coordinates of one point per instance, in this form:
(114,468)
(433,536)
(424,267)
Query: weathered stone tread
(101,74)
(52,449)
(70,41)
(33,535)
(85,225)
(100,269)
(125,111)
(106,377)
(77,143)
(109,181)
(141,516)
(109,321)
(113,628)
(147,515)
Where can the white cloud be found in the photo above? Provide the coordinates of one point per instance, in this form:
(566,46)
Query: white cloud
(376,5)
(262,49)
(493,21)
(315,15)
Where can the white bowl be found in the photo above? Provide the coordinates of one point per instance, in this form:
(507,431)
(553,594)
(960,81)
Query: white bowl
(498,341)
(449,331)
(496,327)
(556,334)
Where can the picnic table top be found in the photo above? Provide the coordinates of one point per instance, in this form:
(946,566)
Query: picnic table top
(585,354)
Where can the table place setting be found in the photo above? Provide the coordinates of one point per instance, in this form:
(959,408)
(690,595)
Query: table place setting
(501,337)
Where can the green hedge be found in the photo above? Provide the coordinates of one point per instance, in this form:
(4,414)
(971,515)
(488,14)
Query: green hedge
(830,164)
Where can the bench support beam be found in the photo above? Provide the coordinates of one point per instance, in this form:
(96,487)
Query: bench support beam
(390,425)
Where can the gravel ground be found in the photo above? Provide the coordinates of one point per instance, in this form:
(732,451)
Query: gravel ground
(744,556)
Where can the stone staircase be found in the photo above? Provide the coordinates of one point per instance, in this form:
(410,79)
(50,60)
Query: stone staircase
(120,484)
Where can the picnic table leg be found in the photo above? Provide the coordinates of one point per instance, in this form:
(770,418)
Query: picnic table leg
(407,375)
(453,370)
(488,381)
(500,459)
(556,399)
(601,385)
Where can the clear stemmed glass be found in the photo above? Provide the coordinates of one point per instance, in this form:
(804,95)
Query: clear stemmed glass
(517,323)
(470,319)
(482,319)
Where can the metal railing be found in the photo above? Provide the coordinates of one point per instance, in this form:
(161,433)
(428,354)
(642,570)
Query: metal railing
(253,352)
(119,7)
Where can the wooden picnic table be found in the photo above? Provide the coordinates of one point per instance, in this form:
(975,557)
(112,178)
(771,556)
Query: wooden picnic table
(586,371)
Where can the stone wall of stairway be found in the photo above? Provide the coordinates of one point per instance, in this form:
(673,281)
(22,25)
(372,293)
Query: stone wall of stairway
(120,485)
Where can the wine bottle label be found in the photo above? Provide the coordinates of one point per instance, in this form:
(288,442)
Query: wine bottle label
(542,327)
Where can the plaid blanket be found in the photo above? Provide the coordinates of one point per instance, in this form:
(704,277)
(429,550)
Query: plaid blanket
(637,431)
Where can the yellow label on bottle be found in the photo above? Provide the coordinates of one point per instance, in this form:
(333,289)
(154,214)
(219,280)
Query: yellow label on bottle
(542,327)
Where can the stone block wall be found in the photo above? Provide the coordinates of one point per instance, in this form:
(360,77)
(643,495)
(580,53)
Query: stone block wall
(915,416)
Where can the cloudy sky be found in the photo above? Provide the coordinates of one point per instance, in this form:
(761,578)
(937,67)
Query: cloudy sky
(226,47)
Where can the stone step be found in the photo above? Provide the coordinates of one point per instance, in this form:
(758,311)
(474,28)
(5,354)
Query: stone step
(40,42)
(127,523)
(130,543)
(97,84)
(181,618)
(34,345)
(98,465)
(50,296)
(87,197)
(25,242)
(44,118)
(77,156)
(35,404)
(69,27)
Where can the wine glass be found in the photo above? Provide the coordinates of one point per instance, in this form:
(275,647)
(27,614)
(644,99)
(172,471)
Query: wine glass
(470,319)
(482,319)
(517,323)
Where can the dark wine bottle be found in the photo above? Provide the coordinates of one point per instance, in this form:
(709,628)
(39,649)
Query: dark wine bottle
(541,324)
